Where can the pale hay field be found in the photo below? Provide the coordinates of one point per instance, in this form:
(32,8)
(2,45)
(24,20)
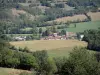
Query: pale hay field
(70,18)
(73,18)
(94,16)
(55,48)
(48,44)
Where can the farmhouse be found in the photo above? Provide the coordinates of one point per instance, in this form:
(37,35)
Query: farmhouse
(56,36)
(20,38)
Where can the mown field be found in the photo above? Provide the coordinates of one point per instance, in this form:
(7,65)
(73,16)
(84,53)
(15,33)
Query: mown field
(55,48)
(10,71)
(70,18)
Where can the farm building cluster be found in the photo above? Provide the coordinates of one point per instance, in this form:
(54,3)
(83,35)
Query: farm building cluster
(53,36)
(20,38)
(56,36)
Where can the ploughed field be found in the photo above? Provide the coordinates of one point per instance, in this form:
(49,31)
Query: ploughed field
(53,47)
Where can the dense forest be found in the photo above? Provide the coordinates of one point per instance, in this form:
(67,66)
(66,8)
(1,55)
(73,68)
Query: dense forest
(52,10)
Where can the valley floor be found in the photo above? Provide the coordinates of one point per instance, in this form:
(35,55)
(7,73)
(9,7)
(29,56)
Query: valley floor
(55,48)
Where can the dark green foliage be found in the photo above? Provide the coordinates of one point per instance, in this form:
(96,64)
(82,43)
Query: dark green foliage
(35,30)
(81,62)
(27,61)
(63,32)
(40,30)
(93,39)
(53,29)
(7,57)
(60,5)
(46,65)
(60,61)
(98,56)
(16,59)
(84,3)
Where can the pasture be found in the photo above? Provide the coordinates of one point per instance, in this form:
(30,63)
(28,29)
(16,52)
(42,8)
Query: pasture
(55,48)
(81,27)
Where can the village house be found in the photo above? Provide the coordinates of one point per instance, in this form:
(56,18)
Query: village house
(81,37)
(56,36)
(20,38)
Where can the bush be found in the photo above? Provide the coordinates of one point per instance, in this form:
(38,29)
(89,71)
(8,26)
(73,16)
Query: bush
(27,61)
(81,62)
(46,65)
(93,39)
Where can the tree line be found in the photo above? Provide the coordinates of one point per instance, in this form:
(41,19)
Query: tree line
(79,62)
(92,37)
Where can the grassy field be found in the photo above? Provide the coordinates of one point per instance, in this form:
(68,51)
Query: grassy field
(55,48)
(80,27)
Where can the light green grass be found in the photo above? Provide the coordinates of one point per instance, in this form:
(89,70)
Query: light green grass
(63,52)
(60,52)
(26,29)
(80,27)
(3,72)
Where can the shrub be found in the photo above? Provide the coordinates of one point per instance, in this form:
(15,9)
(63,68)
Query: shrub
(81,62)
